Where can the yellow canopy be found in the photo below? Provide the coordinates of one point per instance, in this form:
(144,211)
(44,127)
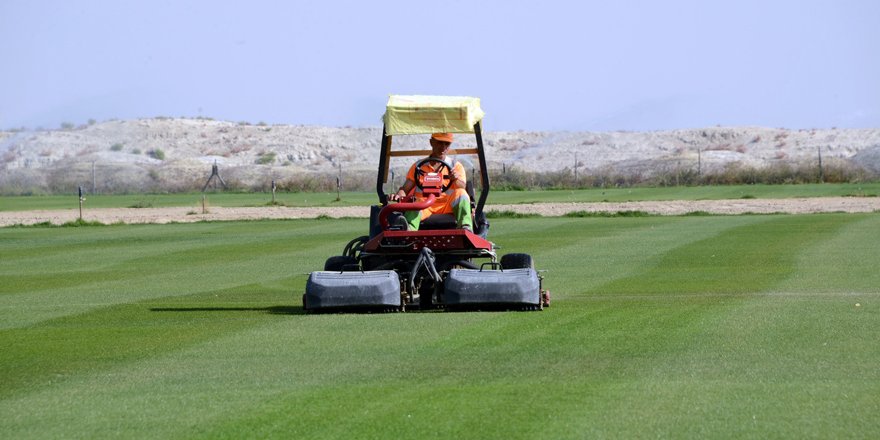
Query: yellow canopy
(417,114)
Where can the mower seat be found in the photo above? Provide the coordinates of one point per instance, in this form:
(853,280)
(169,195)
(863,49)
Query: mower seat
(447,221)
(438,221)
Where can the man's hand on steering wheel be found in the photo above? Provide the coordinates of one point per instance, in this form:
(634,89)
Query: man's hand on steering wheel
(395,197)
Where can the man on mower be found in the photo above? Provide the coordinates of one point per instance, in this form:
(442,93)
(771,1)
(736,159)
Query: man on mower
(454,200)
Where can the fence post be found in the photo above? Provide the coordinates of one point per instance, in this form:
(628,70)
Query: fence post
(678,174)
(821,172)
(339,182)
(81,200)
(699,162)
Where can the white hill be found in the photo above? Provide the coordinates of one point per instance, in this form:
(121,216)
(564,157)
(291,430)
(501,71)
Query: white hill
(166,154)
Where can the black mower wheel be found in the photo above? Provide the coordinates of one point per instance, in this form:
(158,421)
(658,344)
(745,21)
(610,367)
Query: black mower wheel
(340,263)
(517,261)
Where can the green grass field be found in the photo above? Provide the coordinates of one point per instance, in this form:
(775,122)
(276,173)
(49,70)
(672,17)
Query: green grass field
(25,203)
(671,327)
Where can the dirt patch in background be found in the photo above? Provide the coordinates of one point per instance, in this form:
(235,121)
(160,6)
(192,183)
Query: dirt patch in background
(726,207)
(672,207)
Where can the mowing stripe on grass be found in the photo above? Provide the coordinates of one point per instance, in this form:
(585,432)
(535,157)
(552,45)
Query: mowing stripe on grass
(749,258)
(207,257)
(618,355)
(582,254)
(54,350)
(839,260)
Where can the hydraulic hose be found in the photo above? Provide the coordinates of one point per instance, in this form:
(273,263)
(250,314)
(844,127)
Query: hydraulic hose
(426,259)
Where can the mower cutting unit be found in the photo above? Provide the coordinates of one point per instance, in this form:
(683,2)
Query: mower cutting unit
(395,269)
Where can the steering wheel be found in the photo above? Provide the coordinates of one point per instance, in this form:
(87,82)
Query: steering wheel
(447,179)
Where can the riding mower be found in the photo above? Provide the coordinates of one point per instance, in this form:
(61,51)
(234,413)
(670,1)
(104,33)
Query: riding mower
(435,267)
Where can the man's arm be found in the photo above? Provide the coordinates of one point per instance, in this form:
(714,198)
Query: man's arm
(458,176)
(403,191)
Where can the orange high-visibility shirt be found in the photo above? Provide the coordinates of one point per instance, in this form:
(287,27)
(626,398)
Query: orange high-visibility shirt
(443,204)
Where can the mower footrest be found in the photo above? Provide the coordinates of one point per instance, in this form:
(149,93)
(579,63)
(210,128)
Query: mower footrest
(499,287)
(378,289)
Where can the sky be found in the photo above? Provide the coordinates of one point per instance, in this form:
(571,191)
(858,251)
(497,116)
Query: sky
(535,65)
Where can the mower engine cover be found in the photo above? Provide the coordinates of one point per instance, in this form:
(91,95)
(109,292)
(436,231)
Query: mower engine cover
(511,286)
(380,288)
(432,183)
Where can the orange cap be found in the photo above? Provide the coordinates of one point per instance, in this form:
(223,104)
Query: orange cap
(443,137)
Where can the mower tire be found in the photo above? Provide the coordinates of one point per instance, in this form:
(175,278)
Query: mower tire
(517,261)
(341,263)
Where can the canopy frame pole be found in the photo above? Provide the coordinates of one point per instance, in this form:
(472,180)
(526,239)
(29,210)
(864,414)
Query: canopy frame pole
(384,160)
(484,170)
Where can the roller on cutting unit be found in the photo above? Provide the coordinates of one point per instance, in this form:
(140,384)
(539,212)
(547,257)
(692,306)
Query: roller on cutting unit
(443,264)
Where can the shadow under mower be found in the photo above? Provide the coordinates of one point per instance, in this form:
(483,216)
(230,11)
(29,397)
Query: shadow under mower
(393,269)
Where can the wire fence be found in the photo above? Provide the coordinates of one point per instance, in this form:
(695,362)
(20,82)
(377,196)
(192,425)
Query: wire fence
(114,178)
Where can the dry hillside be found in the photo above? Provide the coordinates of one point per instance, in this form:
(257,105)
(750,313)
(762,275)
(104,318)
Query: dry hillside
(176,154)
